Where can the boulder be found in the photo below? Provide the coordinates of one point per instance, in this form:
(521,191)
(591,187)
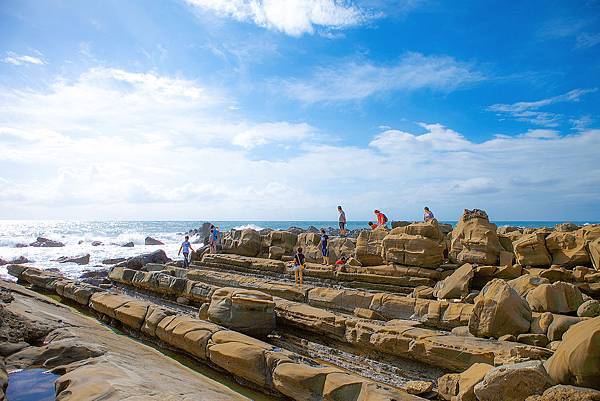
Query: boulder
(530,250)
(113,261)
(590,308)
(456,285)
(283,239)
(246,242)
(412,250)
(594,252)
(567,393)
(129,244)
(459,386)
(276,252)
(46,243)
(152,241)
(527,282)
(538,340)
(474,240)
(246,311)
(565,227)
(577,359)
(80,260)
(557,273)
(137,262)
(514,382)
(540,322)
(570,249)
(560,325)
(499,310)
(369,246)
(559,297)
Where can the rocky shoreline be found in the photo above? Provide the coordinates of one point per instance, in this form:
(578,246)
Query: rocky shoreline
(473,312)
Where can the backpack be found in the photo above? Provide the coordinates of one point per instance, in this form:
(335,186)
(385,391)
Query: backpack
(385,219)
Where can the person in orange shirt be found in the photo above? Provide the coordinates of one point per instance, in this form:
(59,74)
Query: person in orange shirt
(373,225)
(381,218)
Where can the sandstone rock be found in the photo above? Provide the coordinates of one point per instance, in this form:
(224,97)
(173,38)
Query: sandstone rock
(353,262)
(559,297)
(474,240)
(301,382)
(276,252)
(456,285)
(577,359)
(154,316)
(522,285)
(553,345)
(183,301)
(539,340)
(46,243)
(565,227)
(530,250)
(594,252)
(418,387)
(557,273)
(243,310)
(412,250)
(540,322)
(462,331)
(459,386)
(499,310)
(246,242)
(507,337)
(580,272)
(152,241)
(513,382)
(80,260)
(560,324)
(567,393)
(368,314)
(589,308)
(423,292)
(369,247)
(570,248)
(283,239)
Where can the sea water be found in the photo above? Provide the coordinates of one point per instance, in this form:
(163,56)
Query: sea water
(79,235)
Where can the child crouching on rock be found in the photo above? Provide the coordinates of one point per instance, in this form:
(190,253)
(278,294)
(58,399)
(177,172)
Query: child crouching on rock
(298,267)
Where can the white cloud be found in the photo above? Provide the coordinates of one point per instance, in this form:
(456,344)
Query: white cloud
(293,17)
(127,145)
(356,80)
(586,40)
(528,111)
(17,59)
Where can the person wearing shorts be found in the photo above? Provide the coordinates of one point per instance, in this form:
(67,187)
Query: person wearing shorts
(324,246)
(185,247)
(298,267)
(342,221)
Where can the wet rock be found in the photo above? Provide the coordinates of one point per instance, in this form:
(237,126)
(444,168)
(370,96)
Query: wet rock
(16,261)
(559,297)
(499,310)
(113,261)
(96,243)
(137,262)
(576,361)
(589,308)
(152,241)
(242,310)
(80,260)
(129,244)
(46,243)
(19,245)
(514,382)
(56,353)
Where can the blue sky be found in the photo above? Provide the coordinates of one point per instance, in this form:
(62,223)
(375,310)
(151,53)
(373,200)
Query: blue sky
(269,109)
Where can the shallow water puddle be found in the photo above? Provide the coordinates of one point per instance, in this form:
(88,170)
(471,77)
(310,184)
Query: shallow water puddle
(31,385)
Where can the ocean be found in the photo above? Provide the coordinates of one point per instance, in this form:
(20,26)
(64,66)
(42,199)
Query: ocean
(79,235)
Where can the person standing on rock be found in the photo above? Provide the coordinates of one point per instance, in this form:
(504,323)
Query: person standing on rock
(185,247)
(298,267)
(342,221)
(213,239)
(323,244)
(381,218)
(427,215)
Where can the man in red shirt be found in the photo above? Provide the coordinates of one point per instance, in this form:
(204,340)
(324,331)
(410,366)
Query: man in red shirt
(381,218)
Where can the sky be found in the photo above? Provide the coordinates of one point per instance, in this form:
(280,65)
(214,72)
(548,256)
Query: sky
(283,109)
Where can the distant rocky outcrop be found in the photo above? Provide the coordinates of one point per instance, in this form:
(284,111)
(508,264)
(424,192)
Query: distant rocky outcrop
(129,244)
(80,259)
(152,241)
(42,242)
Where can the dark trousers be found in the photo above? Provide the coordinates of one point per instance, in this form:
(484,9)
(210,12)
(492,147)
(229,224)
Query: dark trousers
(186,261)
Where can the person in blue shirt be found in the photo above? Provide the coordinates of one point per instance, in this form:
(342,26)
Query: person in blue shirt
(185,247)
(213,239)
(427,214)
(324,246)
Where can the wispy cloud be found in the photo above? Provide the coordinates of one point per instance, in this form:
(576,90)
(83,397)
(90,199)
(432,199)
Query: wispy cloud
(359,80)
(294,17)
(22,59)
(587,40)
(528,111)
(570,28)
